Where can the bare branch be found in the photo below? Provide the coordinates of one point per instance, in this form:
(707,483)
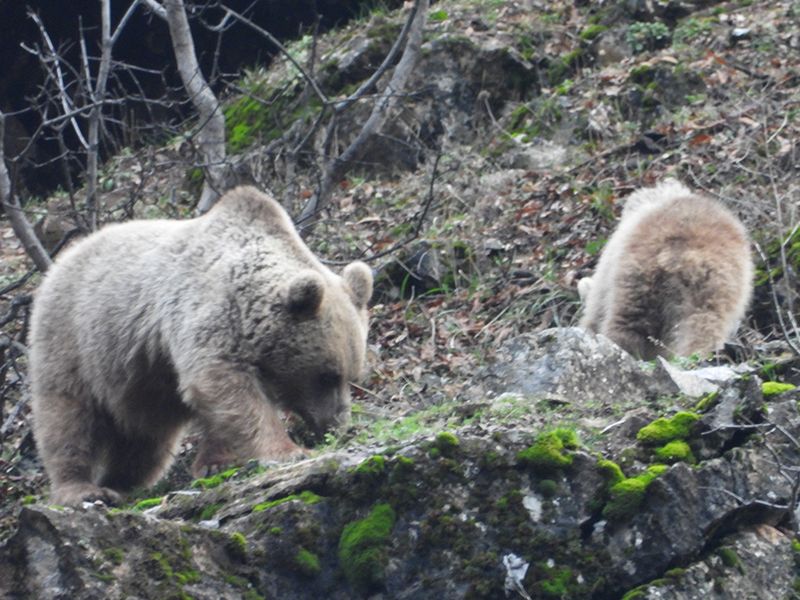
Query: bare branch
(414,234)
(156,8)
(790,339)
(124,21)
(52,58)
(311,81)
(385,65)
(336,168)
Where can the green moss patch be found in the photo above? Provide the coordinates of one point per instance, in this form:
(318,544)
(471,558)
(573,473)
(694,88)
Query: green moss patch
(730,559)
(770,388)
(446,443)
(675,451)
(662,431)
(237,546)
(555,582)
(307,497)
(707,402)
(149,503)
(363,549)
(611,472)
(592,31)
(208,483)
(210,511)
(307,563)
(250,119)
(626,497)
(371,468)
(114,555)
(547,455)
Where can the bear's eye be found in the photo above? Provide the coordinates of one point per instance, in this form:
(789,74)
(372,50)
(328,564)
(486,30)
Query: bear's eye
(330,380)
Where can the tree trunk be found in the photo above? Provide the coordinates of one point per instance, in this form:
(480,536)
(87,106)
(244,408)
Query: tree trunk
(211,126)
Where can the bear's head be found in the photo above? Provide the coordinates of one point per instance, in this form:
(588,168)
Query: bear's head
(308,371)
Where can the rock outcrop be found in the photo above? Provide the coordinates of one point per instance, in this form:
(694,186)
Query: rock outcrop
(563,490)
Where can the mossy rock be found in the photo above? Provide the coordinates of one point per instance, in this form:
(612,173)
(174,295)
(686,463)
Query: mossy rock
(626,497)
(675,451)
(446,443)
(611,471)
(662,431)
(363,549)
(307,563)
(237,546)
(546,456)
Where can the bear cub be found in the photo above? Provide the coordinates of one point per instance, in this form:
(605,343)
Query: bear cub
(222,320)
(675,278)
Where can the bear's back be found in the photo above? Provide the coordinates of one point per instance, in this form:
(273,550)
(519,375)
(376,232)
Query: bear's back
(688,238)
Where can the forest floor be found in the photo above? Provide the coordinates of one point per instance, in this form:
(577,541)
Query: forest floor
(712,97)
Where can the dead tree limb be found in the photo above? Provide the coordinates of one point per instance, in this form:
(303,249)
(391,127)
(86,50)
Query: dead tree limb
(336,168)
(19,222)
(97,93)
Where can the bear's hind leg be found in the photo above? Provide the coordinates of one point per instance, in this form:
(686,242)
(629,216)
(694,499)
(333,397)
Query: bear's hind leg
(137,460)
(65,429)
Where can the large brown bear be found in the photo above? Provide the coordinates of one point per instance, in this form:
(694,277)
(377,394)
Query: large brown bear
(222,320)
(675,278)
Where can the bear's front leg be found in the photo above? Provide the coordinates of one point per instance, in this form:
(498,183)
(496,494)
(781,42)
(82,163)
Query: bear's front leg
(238,422)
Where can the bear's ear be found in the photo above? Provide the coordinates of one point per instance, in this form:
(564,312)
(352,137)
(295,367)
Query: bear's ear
(358,278)
(305,293)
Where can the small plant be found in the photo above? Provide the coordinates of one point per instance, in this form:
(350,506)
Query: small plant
(647,36)
(691,29)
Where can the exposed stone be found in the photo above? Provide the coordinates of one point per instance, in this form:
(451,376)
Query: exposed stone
(569,363)
(753,563)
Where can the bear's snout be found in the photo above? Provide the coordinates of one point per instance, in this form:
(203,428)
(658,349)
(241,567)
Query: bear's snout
(328,417)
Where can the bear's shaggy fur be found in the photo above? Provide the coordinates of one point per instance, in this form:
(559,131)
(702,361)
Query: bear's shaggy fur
(221,320)
(675,278)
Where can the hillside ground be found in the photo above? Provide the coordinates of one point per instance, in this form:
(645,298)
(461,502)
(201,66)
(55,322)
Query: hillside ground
(711,96)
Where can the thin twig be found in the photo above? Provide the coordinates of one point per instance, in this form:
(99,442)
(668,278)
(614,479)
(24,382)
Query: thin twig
(789,340)
(311,81)
(16,304)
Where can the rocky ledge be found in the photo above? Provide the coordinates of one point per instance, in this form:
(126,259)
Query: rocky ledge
(568,470)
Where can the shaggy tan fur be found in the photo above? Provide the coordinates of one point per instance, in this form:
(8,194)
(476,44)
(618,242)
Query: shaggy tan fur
(222,320)
(675,278)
